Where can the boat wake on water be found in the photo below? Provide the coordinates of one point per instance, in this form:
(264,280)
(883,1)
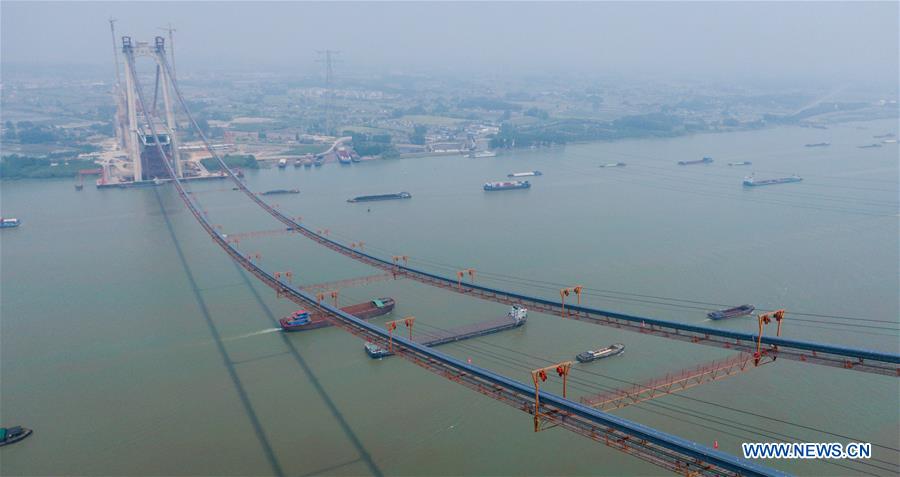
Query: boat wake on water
(253,333)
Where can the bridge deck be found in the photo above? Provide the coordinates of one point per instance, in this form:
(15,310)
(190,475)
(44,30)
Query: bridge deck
(665,450)
(461,333)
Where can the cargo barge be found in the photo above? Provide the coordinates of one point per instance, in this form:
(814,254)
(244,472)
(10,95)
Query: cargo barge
(9,223)
(736,311)
(300,320)
(705,160)
(479,154)
(613,164)
(525,174)
(515,318)
(742,163)
(506,185)
(373,198)
(281,191)
(593,355)
(870,146)
(750,181)
(818,144)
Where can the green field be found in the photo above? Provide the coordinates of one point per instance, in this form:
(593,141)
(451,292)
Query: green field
(25,167)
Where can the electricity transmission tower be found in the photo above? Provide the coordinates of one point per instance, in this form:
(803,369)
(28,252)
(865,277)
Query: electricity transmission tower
(329,58)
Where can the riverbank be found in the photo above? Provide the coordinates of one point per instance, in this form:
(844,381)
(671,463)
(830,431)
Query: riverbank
(15,167)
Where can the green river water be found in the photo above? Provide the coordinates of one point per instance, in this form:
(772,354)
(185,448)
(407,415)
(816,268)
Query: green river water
(132,345)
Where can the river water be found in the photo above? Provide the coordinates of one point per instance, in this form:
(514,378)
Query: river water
(133,346)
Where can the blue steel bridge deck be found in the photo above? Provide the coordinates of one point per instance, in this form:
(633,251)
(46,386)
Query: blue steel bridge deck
(666,450)
(872,361)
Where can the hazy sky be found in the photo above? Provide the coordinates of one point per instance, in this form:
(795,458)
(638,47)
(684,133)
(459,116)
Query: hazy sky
(837,40)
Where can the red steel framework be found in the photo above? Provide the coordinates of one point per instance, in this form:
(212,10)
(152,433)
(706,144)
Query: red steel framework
(350,282)
(539,375)
(408,321)
(747,346)
(671,383)
(563,293)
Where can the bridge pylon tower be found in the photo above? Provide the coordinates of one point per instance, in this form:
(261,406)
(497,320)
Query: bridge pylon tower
(141,148)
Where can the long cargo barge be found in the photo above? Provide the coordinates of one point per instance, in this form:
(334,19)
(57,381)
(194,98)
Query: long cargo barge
(506,185)
(515,318)
(742,310)
(750,181)
(593,355)
(301,320)
(705,160)
(281,191)
(373,198)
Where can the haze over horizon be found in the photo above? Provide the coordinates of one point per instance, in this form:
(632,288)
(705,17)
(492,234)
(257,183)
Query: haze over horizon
(793,42)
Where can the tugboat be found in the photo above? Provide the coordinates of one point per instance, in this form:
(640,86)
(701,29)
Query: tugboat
(731,312)
(592,355)
(300,320)
(506,185)
(11,435)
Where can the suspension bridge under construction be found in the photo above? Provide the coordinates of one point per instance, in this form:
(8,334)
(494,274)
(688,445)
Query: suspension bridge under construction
(589,417)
